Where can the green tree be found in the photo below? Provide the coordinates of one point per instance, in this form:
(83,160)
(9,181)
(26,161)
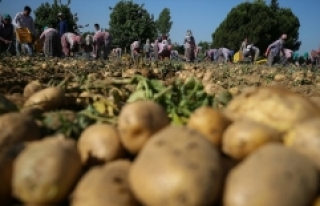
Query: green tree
(47,13)
(130,22)
(274,5)
(164,23)
(205,45)
(259,2)
(260,24)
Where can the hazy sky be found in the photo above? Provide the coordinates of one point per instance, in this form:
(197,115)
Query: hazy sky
(201,16)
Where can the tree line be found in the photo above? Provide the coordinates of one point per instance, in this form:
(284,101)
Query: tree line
(259,22)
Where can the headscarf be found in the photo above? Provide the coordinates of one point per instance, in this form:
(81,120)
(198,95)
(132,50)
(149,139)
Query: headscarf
(6,16)
(189,32)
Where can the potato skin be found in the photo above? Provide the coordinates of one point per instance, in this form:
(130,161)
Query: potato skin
(105,185)
(243,137)
(46,99)
(31,88)
(46,171)
(99,143)
(16,128)
(209,122)
(138,121)
(177,166)
(305,139)
(278,108)
(272,175)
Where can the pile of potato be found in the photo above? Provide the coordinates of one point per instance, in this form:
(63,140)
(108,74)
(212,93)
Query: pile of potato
(261,150)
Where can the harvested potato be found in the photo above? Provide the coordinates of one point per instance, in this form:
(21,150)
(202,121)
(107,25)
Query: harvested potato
(138,121)
(243,137)
(32,88)
(16,128)
(7,158)
(272,175)
(177,166)
(56,119)
(209,122)
(316,202)
(46,99)
(106,185)
(278,108)
(46,171)
(305,139)
(6,105)
(99,143)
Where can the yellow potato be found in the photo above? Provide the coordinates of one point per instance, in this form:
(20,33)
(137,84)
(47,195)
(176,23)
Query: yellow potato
(32,88)
(209,122)
(16,128)
(243,137)
(99,143)
(278,108)
(305,139)
(46,99)
(177,166)
(45,171)
(105,185)
(138,121)
(272,175)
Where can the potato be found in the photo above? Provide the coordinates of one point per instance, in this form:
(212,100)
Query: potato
(138,121)
(46,99)
(243,137)
(7,158)
(99,143)
(278,108)
(6,105)
(316,202)
(272,175)
(16,128)
(177,166)
(305,139)
(209,122)
(46,171)
(32,88)
(106,185)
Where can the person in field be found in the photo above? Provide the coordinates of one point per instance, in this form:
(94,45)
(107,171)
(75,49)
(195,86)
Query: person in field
(70,43)
(6,33)
(100,39)
(135,50)
(164,49)
(249,50)
(274,50)
(63,24)
(88,43)
(211,54)
(24,20)
(288,54)
(189,45)
(52,42)
(147,50)
(117,52)
(174,55)
(314,55)
(226,54)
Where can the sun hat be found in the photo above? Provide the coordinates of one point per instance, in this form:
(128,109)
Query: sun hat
(60,14)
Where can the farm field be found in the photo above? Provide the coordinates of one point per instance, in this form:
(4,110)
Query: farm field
(75,132)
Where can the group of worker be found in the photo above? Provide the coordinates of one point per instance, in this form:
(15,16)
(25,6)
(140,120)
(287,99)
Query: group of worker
(276,52)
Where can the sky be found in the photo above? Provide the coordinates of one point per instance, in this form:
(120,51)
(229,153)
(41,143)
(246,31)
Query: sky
(201,16)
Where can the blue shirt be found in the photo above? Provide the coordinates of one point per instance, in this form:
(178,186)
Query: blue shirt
(63,27)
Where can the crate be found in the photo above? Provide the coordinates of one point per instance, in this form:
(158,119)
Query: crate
(23,35)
